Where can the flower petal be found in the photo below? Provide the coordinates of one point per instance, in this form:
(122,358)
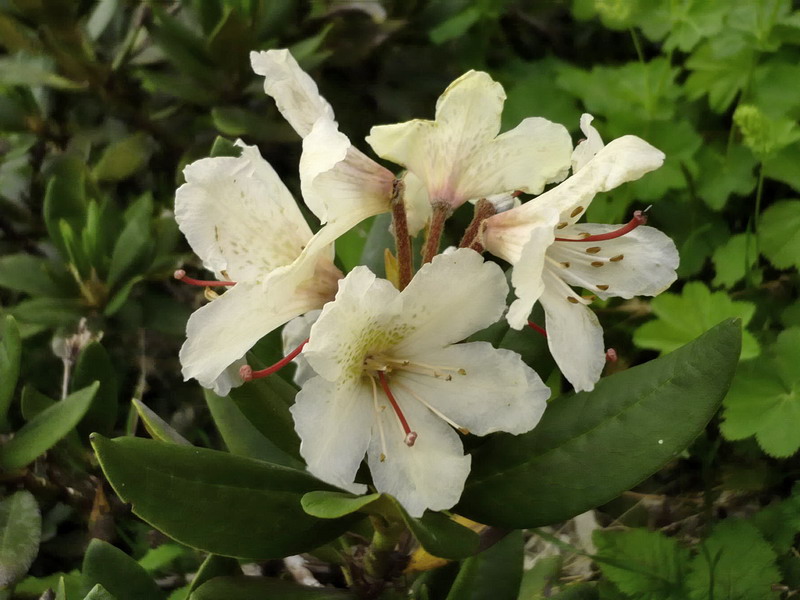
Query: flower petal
(639,263)
(337,179)
(239,217)
(480,388)
(295,93)
(574,334)
(449,299)
(418,206)
(334,423)
(428,475)
(586,149)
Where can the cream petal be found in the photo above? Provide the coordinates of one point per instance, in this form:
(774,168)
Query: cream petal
(295,93)
(586,149)
(334,423)
(479,388)
(239,217)
(644,261)
(428,475)
(360,319)
(228,379)
(506,234)
(294,333)
(574,334)
(449,299)
(418,206)
(337,179)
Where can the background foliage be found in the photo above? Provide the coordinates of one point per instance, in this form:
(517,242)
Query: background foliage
(102,104)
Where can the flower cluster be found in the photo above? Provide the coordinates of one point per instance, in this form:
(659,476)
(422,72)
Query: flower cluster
(384,366)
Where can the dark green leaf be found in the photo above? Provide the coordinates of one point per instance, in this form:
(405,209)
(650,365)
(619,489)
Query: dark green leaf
(249,588)
(94,364)
(20,532)
(778,234)
(39,435)
(34,402)
(52,312)
(65,199)
(224,147)
(123,158)
(215,501)
(134,244)
(157,427)
(98,592)
(117,572)
(215,566)
(28,274)
(494,573)
(592,446)
(10,352)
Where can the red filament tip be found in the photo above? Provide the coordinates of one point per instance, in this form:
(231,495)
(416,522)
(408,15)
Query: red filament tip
(516,193)
(537,328)
(611,355)
(639,218)
(411,436)
(180,275)
(246,371)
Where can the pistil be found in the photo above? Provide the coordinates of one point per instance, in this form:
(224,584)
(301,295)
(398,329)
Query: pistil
(180,275)
(246,371)
(537,328)
(411,436)
(639,218)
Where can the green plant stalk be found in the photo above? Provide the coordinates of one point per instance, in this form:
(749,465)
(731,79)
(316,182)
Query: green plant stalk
(377,558)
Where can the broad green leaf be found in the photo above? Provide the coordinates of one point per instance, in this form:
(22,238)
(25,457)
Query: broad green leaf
(32,70)
(123,158)
(20,533)
(779,522)
(263,588)
(215,501)
(455,26)
(643,564)
(592,446)
(494,573)
(725,173)
(39,435)
(94,364)
(98,592)
(215,566)
(161,557)
(65,199)
(157,427)
(241,436)
(684,24)
(437,533)
(681,318)
(34,402)
(764,399)
(51,312)
(782,166)
(29,274)
(738,561)
(779,234)
(118,573)
(720,68)
(10,352)
(134,244)
(735,259)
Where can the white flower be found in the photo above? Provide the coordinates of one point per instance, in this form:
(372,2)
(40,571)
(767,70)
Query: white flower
(340,184)
(551,252)
(393,383)
(460,155)
(243,223)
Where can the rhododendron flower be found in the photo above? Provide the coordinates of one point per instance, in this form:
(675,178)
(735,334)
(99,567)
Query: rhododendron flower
(243,223)
(393,383)
(551,252)
(460,156)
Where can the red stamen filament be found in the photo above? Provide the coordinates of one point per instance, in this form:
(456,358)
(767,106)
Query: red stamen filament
(411,436)
(537,328)
(247,373)
(639,218)
(180,275)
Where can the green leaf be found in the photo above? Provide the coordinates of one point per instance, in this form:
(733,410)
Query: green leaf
(28,274)
(241,436)
(98,592)
(20,533)
(764,399)
(123,158)
(455,26)
(437,533)
(681,318)
(10,353)
(52,312)
(249,588)
(32,70)
(378,239)
(494,573)
(725,173)
(738,561)
(215,501)
(215,566)
(65,199)
(42,433)
(33,403)
(224,147)
(720,68)
(161,557)
(735,259)
(157,427)
(765,135)
(94,364)
(778,234)
(643,564)
(592,446)
(684,24)
(134,244)
(118,573)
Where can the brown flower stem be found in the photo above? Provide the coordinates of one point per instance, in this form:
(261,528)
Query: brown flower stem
(402,241)
(483,210)
(441,211)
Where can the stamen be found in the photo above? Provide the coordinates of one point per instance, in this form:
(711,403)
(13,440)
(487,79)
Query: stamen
(246,371)
(611,355)
(435,411)
(380,421)
(437,371)
(639,218)
(180,275)
(537,328)
(411,436)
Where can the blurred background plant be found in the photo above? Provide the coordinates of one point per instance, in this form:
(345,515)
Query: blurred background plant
(103,102)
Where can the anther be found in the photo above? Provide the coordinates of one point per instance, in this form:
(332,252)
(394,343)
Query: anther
(617,258)
(611,355)
(411,436)
(537,328)
(602,286)
(578,210)
(593,250)
(180,275)
(639,218)
(565,265)
(246,371)
(597,263)
(562,225)
(573,299)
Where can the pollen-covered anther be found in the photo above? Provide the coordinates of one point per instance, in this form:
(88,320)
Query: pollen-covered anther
(573,300)
(597,263)
(611,355)
(593,250)
(602,286)
(617,258)
(576,211)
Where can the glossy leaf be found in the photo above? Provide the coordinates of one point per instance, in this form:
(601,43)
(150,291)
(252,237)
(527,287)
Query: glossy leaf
(118,573)
(123,158)
(94,364)
(494,573)
(215,566)
(215,501)
(40,434)
(27,273)
(249,588)
(98,592)
(592,446)
(20,533)
(10,351)
(157,427)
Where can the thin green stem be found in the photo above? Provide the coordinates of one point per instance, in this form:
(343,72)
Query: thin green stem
(637,44)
